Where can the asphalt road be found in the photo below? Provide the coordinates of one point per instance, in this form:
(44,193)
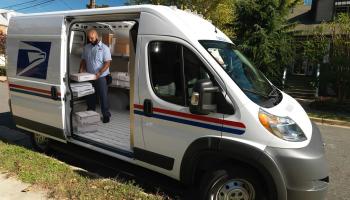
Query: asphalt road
(337,141)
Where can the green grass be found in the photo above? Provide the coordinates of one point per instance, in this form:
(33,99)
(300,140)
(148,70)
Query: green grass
(330,109)
(61,180)
(329,115)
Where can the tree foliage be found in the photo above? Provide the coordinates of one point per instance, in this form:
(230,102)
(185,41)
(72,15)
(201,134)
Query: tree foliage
(261,30)
(316,45)
(98,6)
(2,51)
(331,40)
(2,42)
(340,54)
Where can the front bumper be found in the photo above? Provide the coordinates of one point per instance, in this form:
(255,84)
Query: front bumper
(305,170)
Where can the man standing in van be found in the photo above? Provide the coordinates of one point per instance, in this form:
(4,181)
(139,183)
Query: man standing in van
(96,59)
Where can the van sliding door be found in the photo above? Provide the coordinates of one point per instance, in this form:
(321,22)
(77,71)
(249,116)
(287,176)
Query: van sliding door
(36,49)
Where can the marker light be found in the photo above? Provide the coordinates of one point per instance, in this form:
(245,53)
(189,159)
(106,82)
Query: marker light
(282,127)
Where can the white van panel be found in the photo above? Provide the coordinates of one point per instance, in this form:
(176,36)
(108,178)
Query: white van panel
(172,128)
(38,25)
(36,67)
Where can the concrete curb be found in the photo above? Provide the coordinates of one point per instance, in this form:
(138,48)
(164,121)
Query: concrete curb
(3,78)
(330,121)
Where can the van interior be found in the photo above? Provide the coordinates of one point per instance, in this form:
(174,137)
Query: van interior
(119,36)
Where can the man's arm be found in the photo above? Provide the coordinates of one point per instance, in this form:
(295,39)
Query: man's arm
(82,67)
(107,58)
(106,65)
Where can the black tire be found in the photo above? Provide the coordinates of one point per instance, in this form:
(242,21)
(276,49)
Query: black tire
(233,182)
(40,143)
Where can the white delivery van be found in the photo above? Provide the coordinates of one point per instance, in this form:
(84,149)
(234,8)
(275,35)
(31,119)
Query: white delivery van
(184,102)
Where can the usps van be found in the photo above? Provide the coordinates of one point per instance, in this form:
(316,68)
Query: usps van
(184,102)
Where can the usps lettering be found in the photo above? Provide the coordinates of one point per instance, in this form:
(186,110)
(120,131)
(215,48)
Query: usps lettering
(33,59)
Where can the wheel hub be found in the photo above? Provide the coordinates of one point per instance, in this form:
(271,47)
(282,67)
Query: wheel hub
(235,190)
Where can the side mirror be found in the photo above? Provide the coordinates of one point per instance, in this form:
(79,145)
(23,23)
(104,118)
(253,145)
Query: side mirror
(203,97)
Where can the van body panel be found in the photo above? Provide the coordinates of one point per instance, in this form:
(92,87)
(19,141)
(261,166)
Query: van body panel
(169,139)
(169,131)
(36,63)
(310,179)
(138,138)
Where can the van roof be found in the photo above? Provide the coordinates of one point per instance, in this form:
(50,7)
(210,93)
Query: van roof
(190,24)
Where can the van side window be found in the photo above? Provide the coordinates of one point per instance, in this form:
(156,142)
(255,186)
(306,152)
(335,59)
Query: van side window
(166,71)
(194,71)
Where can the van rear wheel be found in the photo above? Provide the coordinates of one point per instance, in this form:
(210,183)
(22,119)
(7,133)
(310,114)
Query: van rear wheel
(40,143)
(231,183)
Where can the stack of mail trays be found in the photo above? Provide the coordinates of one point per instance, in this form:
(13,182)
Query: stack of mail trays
(121,79)
(82,89)
(80,77)
(86,121)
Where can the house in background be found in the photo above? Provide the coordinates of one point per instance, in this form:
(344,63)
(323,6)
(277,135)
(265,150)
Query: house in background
(301,74)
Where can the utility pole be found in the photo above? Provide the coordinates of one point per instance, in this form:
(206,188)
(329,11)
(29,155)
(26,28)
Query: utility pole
(92,4)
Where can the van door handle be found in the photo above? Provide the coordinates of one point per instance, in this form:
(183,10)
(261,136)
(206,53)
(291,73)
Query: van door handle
(148,107)
(54,95)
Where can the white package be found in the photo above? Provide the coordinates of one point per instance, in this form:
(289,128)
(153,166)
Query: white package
(90,128)
(119,83)
(81,86)
(82,89)
(80,77)
(87,117)
(123,76)
(81,93)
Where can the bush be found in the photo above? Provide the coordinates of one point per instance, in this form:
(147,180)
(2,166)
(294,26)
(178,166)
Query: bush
(331,105)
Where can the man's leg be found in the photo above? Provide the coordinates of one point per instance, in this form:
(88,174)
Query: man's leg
(91,99)
(101,85)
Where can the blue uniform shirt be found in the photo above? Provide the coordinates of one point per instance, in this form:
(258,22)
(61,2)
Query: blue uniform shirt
(95,56)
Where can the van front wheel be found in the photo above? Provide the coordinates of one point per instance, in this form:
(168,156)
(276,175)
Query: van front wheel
(232,183)
(40,143)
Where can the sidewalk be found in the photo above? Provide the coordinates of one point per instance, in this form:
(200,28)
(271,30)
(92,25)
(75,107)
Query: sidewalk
(12,189)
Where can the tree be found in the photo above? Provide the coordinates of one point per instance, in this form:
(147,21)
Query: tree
(2,51)
(333,39)
(2,42)
(261,30)
(340,54)
(315,47)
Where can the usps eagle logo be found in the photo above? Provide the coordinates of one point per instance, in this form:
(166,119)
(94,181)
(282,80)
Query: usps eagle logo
(33,59)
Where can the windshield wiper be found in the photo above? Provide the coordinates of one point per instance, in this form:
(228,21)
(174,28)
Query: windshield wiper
(255,92)
(273,92)
(275,95)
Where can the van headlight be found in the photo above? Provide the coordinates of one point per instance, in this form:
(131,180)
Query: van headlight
(282,127)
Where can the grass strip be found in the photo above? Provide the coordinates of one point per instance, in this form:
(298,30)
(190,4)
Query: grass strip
(61,180)
(329,115)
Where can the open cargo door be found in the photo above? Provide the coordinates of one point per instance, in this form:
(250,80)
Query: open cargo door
(36,70)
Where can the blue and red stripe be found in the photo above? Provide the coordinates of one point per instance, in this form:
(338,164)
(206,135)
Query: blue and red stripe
(195,120)
(31,91)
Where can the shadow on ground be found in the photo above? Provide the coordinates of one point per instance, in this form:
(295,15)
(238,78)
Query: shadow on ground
(100,164)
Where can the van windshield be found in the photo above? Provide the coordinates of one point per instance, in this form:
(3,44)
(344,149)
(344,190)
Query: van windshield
(251,80)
